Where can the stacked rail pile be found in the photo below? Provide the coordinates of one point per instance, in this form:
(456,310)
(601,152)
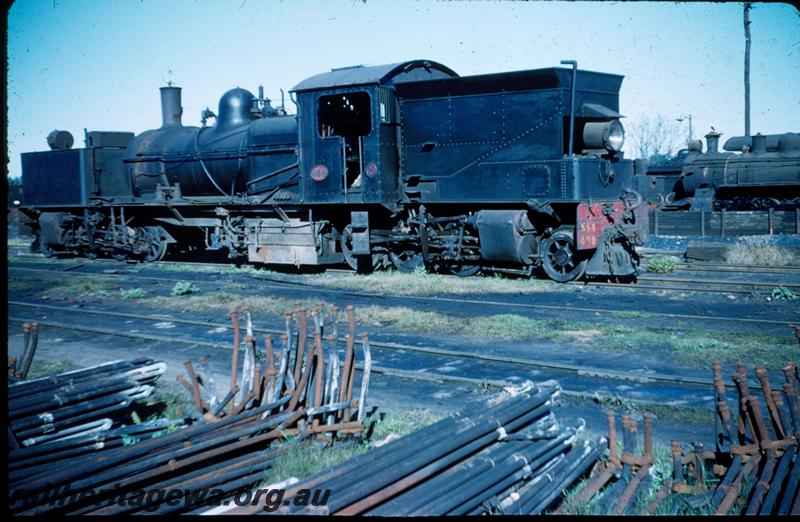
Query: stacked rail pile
(511,457)
(223,451)
(753,469)
(73,404)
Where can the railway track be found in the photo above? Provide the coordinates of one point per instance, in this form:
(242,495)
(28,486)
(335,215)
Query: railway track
(273,283)
(726,268)
(680,284)
(579,370)
(652,282)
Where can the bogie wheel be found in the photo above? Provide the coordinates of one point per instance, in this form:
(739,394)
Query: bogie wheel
(156,245)
(560,259)
(363,264)
(408,260)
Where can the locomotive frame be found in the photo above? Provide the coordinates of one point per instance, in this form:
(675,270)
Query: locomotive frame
(403,164)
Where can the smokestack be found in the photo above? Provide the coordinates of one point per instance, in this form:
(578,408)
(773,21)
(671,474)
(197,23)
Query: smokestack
(759,144)
(171,109)
(712,142)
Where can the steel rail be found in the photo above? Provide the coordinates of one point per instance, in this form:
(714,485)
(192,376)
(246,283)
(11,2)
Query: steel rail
(653,288)
(700,265)
(718,282)
(731,269)
(577,369)
(506,304)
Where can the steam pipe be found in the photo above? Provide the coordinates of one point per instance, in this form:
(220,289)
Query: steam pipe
(572,103)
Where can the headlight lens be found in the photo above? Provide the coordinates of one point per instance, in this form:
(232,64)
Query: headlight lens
(616,136)
(604,135)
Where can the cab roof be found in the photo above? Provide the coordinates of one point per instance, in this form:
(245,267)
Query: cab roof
(388,74)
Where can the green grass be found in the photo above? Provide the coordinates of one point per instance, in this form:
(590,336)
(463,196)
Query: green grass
(132,293)
(782,293)
(40,368)
(302,459)
(424,284)
(403,422)
(664,412)
(688,345)
(223,301)
(79,286)
(166,402)
(682,342)
(184,288)
(199,268)
(19,284)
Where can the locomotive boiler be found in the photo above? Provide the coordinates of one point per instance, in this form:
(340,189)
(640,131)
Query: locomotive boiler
(751,173)
(406,165)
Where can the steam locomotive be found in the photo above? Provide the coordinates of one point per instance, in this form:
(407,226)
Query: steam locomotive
(406,165)
(754,173)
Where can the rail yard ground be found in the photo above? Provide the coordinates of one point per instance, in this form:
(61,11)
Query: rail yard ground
(440,343)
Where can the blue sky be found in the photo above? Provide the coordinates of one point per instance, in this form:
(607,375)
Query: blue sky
(75,64)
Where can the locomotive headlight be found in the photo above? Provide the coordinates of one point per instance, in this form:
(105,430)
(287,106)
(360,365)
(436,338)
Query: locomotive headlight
(604,135)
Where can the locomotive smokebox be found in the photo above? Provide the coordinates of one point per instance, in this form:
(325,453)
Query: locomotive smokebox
(171,110)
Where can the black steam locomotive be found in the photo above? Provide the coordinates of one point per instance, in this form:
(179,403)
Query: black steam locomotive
(405,164)
(753,173)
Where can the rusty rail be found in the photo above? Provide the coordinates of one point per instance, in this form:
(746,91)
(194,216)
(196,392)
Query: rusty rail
(754,468)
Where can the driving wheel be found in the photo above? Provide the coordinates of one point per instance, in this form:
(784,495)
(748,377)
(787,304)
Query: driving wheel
(560,259)
(360,263)
(156,245)
(407,260)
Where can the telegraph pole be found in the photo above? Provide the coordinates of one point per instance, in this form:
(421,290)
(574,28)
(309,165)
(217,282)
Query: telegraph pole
(689,118)
(747,7)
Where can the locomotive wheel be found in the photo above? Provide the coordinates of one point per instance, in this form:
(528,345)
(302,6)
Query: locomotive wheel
(157,247)
(464,269)
(407,261)
(363,264)
(559,259)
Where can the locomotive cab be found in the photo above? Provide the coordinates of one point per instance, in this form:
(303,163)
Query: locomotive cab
(349,132)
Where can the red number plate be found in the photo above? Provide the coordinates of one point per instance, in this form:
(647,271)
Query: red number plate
(592,221)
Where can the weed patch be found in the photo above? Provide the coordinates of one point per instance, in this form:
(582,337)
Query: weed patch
(184,288)
(132,293)
(424,284)
(761,251)
(660,265)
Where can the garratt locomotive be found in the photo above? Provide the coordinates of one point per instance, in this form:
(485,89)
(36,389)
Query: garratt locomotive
(404,164)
